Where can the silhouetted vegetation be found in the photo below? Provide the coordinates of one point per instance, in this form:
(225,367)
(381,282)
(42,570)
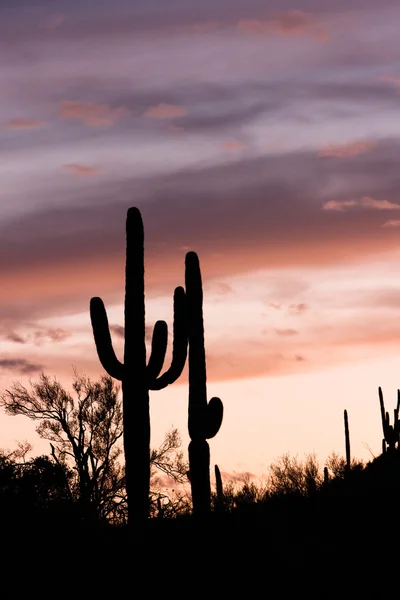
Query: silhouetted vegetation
(89,489)
(85,434)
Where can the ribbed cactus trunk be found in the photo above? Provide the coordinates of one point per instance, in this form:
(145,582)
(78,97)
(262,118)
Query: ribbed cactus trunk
(136,376)
(204,418)
(135,391)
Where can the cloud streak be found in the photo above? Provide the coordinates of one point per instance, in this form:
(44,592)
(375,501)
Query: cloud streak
(165,111)
(19,365)
(290,23)
(91,114)
(365,202)
(21,123)
(81,170)
(346,150)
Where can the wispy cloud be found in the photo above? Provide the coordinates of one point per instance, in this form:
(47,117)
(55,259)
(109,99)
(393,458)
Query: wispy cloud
(299,308)
(39,336)
(16,338)
(54,22)
(19,123)
(20,365)
(292,23)
(394,79)
(392,223)
(286,332)
(54,335)
(165,111)
(205,27)
(79,169)
(233,146)
(346,150)
(118,330)
(92,114)
(365,202)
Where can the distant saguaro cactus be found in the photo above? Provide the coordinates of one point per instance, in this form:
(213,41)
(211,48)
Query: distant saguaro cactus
(218,483)
(205,418)
(347,439)
(391,433)
(136,376)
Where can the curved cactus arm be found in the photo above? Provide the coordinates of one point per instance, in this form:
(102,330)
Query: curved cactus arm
(179,348)
(102,338)
(214,415)
(158,349)
(218,483)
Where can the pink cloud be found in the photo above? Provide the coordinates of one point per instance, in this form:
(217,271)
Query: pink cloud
(205,27)
(298,308)
(365,201)
(54,22)
(91,114)
(392,223)
(79,169)
(392,79)
(346,150)
(275,305)
(291,23)
(339,205)
(165,111)
(23,123)
(175,128)
(286,332)
(233,146)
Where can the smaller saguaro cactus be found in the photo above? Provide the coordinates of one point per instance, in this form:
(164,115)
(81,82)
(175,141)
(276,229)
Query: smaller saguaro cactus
(205,418)
(391,433)
(347,437)
(218,484)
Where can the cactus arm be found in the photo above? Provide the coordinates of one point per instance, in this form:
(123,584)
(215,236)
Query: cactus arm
(103,341)
(158,349)
(215,413)
(179,348)
(382,406)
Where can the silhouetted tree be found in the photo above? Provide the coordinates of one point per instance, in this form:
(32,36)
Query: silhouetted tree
(33,490)
(85,435)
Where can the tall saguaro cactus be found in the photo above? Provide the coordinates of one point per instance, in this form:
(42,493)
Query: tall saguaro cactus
(137,376)
(205,418)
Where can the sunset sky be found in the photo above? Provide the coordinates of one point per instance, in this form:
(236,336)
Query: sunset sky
(266,139)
